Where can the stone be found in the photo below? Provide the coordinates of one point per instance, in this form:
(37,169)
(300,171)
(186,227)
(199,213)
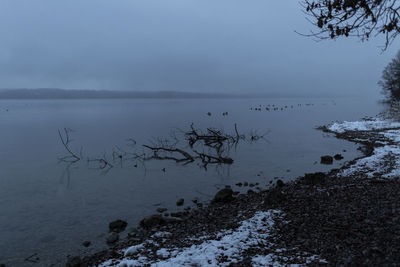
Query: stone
(112,238)
(314,178)
(338,157)
(86,243)
(73,262)
(224,195)
(180,202)
(326,160)
(161,210)
(117,226)
(153,220)
(280,183)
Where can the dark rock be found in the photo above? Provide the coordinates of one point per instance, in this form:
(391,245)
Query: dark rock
(177,214)
(112,238)
(133,233)
(280,183)
(161,210)
(2,265)
(73,262)
(275,196)
(338,157)
(236,193)
(180,202)
(314,178)
(326,160)
(251,185)
(239,184)
(250,191)
(117,226)
(86,243)
(224,195)
(173,220)
(153,220)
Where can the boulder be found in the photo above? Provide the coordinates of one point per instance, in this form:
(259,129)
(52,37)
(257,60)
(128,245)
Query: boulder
(73,262)
(180,202)
(326,160)
(161,210)
(153,220)
(117,226)
(280,183)
(224,195)
(86,243)
(112,238)
(338,157)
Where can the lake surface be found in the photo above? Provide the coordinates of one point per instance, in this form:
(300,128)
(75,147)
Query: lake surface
(48,208)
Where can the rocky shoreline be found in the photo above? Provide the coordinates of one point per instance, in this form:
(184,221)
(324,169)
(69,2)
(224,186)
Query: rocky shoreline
(335,218)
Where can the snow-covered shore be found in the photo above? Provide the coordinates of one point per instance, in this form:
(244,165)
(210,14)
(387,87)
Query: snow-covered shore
(223,249)
(384,136)
(304,222)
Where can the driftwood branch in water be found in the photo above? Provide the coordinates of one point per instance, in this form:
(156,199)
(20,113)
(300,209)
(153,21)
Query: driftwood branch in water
(182,147)
(103,163)
(156,149)
(65,140)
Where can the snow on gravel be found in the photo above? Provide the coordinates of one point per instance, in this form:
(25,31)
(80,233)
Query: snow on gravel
(385,160)
(228,248)
(365,125)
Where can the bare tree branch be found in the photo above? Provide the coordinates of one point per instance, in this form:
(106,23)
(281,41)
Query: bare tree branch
(353,18)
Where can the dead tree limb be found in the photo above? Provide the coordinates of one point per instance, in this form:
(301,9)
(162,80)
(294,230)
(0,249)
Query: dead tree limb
(65,140)
(156,150)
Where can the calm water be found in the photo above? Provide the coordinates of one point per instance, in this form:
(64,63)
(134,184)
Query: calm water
(48,209)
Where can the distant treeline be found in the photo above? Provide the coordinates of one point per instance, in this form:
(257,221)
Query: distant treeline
(102,94)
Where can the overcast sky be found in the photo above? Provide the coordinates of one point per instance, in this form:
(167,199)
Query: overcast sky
(185,45)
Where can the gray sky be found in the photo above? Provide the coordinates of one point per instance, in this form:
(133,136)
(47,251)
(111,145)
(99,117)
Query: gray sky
(185,45)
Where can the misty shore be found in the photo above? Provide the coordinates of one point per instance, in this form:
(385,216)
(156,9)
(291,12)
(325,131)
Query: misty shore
(56,93)
(53,93)
(346,216)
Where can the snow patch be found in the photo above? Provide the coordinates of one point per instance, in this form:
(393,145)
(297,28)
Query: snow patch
(228,248)
(385,160)
(365,125)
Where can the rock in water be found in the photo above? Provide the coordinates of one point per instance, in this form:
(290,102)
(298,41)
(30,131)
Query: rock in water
(73,262)
(112,238)
(280,183)
(161,210)
(338,157)
(180,202)
(86,243)
(153,220)
(117,226)
(224,195)
(326,160)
